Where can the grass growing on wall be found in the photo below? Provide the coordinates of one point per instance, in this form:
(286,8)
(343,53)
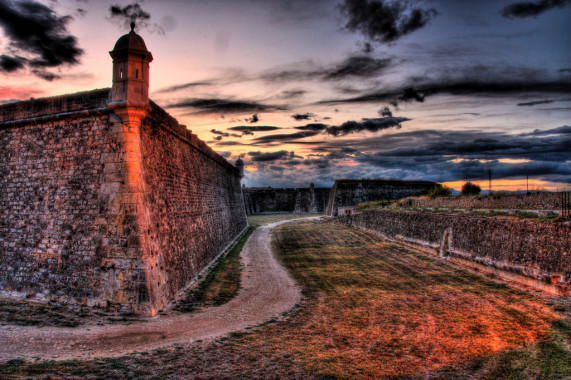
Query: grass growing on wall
(373,204)
(222,281)
(371,310)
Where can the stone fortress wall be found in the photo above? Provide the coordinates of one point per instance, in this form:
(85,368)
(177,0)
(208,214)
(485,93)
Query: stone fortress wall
(54,201)
(528,251)
(193,204)
(265,200)
(73,230)
(351,192)
(106,200)
(531,201)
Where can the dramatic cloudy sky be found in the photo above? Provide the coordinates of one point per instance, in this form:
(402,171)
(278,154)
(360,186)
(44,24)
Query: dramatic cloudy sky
(310,91)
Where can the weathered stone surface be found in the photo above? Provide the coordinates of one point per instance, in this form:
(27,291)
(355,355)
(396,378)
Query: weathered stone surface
(533,201)
(260,200)
(351,192)
(193,205)
(96,212)
(537,249)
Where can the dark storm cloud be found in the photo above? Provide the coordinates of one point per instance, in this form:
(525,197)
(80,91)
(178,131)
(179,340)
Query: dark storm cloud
(285,137)
(318,163)
(44,74)
(359,66)
(312,127)
(349,127)
(10,64)
(38,38)
(183,86)
(298,71)
(371,125)
(534,103)
(351,67)
(385,112)
(551,144)
(228,143)
(303,116)
(384,21)
(133,13)
(272,156)
(222,106)
(254,119)
(563,130)
(564,70)
(343,153)
(367,48)
(248,130)
(531,9)
(469,87)
(223,134)
(291,94)
(458,155)
(437,155)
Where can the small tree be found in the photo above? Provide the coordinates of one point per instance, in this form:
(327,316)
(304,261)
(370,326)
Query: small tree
(439,191)
(470,188)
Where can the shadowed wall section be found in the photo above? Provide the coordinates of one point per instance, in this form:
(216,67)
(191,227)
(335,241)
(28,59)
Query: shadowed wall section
(193,204)
(351,192)
(266,200)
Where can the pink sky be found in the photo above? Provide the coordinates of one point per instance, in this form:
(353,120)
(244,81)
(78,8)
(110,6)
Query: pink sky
(487,82)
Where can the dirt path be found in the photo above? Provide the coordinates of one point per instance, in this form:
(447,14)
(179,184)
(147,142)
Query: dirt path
(267,292)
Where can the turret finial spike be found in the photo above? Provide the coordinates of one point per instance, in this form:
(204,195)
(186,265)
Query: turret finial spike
(133,27)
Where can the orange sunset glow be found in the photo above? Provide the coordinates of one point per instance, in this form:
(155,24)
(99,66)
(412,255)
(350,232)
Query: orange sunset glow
(513,185)
(309,92)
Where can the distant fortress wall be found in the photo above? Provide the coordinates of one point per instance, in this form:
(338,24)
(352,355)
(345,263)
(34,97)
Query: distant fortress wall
(532,201)
(96,211)
(265,200)
(351,192)
(527,251)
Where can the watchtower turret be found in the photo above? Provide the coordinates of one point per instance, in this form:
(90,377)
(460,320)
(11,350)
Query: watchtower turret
(240,165)
(130,70)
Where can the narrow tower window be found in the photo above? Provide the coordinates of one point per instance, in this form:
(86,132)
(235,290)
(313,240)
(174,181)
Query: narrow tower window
(137,74)
(121,73)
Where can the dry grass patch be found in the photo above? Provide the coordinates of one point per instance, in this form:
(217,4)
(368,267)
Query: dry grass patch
(221,283)
(372,310)
(28,313)
(263,219)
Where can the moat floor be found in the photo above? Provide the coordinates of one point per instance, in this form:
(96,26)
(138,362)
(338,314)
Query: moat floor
(266,293)
(368,309)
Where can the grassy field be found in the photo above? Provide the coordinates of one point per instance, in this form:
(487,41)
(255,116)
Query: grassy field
(25,313)
(263,219)
(370,310)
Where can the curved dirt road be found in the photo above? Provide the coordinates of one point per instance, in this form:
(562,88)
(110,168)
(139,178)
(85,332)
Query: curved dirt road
(267,292)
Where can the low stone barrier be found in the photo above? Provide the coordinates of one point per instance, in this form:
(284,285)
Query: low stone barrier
(531,201)
(527,251)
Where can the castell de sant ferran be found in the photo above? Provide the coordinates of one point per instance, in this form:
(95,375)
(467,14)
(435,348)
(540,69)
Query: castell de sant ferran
(106,200)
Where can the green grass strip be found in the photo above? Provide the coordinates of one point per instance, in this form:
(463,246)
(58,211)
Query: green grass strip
(222,282)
